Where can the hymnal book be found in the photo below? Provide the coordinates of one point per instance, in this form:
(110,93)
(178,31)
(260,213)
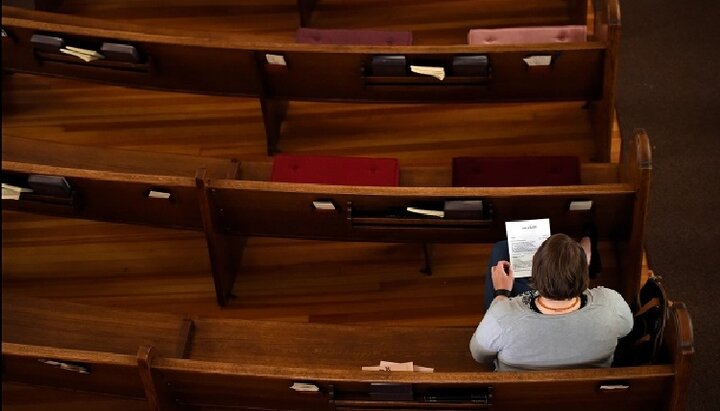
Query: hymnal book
(388,65)
(54,186)
(467,209)
(524,238)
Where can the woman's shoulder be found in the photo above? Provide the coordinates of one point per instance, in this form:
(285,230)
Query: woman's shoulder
(602,295)
(510,308)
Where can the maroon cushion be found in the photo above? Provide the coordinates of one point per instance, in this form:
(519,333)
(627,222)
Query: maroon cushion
(355,171)
(359,37)
(515,171)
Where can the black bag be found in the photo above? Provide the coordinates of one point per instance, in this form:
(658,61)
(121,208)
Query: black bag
(642,346)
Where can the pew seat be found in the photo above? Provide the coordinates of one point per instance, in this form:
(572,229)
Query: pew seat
(354,37)
(336,170)
(515,171)
(529,35)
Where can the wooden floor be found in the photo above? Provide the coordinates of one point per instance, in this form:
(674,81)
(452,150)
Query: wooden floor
(160,270)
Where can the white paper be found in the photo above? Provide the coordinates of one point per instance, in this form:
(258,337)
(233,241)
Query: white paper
(324,205)
(437,72)
(275,59)
(524,238)
(91,53)
(432,213)
(614,387)
(538,60)
(580,205)
(82,56)
(10,192)
(398,366)
(158,194)
(304,387)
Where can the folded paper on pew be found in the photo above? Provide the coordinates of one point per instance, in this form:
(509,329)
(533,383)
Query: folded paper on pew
(10,192)
(535,61)
(304,387)
(83,54)
(275,59)
(423,211)
(437,72)
(398,366)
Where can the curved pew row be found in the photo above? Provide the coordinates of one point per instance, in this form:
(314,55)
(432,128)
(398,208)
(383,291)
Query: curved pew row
(444,18)
(229,210)
(225,64)
(203,363)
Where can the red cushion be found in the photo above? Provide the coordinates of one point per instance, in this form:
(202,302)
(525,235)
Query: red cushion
(359,37)
(355,171)
(515,171)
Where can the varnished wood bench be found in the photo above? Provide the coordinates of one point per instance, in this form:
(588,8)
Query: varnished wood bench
(229,210)
(217,63)
(245,364)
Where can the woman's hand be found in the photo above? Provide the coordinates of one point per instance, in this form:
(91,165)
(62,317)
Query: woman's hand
(502,276)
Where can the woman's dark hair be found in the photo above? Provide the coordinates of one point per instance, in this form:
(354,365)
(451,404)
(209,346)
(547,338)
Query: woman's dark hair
(560,268)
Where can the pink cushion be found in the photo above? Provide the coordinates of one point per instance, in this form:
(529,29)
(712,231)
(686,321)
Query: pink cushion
(355,171)
(515,171)
(524,35)
(360,37)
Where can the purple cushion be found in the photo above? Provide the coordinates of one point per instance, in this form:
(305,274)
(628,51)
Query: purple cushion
(336,170)
(524,35)
(358,37)
(516,171)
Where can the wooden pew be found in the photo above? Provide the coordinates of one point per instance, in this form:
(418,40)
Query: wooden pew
(226,64)
(254,207)
(111,185)
(229,210)
(239,363)
(73,346)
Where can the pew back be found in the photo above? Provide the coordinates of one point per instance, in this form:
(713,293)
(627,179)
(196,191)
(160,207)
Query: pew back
(236,363)
(99,372)
(108,184)
(222,64)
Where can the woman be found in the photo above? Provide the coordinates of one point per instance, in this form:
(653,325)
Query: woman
(561,324)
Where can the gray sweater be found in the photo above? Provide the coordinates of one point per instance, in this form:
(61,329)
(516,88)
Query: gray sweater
(523,339)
